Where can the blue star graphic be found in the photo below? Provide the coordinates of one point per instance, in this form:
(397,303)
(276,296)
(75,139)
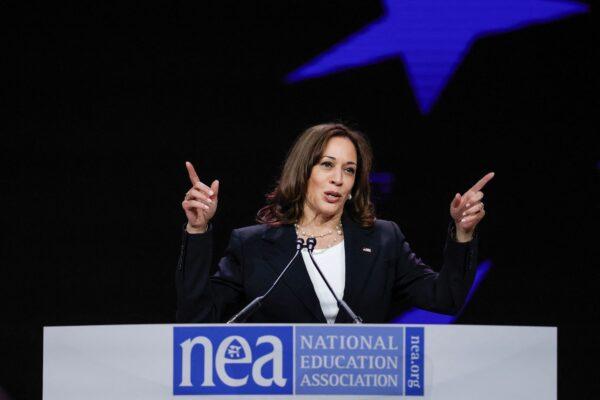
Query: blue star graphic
(432,37)
(418,316)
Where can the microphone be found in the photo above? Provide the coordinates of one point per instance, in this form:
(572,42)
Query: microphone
(311,242)
(254,305)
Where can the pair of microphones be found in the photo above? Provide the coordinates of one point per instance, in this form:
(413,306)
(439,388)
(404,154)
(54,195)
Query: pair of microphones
(255,304)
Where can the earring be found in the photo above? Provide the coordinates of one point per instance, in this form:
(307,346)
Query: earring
(350,197)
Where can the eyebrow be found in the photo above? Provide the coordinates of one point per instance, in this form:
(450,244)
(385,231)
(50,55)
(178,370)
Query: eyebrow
(348,162)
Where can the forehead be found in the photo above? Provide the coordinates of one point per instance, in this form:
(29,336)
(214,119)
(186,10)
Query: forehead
(341,148)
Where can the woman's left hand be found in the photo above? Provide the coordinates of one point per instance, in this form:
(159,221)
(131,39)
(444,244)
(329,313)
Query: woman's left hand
(467,209)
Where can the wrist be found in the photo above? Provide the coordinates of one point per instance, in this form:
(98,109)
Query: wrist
(195,230)
(462,236)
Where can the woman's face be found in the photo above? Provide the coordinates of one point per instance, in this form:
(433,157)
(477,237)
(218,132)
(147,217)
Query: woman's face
(332,178)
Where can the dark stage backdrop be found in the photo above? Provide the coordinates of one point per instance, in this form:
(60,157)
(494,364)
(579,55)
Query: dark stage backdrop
(111,98)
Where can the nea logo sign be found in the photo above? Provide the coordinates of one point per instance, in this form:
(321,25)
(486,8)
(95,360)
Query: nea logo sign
(232,360)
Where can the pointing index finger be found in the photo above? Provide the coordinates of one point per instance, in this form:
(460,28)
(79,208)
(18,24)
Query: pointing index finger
(192,173)
(482,182)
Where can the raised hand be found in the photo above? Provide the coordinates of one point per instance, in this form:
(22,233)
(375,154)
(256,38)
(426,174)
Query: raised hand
(200,203)
(467,210)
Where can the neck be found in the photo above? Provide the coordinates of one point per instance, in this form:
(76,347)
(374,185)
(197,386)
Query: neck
(312,219)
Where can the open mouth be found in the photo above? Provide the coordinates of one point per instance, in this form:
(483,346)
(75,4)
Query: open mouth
(332,196)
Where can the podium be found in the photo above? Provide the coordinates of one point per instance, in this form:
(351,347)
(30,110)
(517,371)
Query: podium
(280,361)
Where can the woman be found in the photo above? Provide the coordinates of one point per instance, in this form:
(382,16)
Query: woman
(324,193)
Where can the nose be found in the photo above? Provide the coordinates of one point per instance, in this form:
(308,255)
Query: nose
(337,177)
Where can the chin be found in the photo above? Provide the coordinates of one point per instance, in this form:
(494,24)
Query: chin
(330,210)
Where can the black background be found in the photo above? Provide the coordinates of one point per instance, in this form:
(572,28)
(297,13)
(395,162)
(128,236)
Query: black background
(111,99)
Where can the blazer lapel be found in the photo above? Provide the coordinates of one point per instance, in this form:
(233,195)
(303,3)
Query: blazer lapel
(361,250)
(278,248)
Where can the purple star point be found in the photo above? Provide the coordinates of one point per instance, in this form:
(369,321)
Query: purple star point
(431,37)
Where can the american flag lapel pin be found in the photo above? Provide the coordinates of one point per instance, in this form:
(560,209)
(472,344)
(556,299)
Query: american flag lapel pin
(366,249)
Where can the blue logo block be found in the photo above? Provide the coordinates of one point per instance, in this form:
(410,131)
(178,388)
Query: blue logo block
(348,360)
(233,360)
(415,354)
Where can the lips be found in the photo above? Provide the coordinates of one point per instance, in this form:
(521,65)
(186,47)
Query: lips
(332,196)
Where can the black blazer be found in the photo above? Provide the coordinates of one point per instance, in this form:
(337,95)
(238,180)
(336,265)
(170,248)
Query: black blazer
(383,276)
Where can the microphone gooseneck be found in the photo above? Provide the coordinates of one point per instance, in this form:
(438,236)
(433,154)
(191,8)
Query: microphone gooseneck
(311,242)
(254,305)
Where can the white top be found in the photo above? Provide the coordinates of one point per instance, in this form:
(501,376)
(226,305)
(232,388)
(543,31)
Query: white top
(332,262)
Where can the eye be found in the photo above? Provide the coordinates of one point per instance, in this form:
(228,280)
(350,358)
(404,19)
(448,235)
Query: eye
(351,170)
(327,164)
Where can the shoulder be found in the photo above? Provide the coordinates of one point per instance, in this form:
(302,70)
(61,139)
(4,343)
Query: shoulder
(384,233)
(250,232)
(380,230)
(262,231)
(255,236)
(388,234)
(386,228)
(383,225)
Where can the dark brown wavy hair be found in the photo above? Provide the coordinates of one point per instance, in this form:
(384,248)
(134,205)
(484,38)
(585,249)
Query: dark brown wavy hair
(285,203)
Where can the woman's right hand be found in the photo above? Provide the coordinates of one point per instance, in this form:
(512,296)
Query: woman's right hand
(200,203)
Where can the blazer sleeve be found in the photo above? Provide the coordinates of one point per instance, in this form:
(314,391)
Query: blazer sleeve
(420,286)
(205,298)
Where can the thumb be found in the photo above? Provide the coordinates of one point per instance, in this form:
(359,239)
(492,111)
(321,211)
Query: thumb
(215,188)
(456,201)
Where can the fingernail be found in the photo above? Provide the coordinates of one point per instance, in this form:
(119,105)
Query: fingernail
(211,192)
(206,207)
(465,213)
(209,200)
(462,220)
(468,205)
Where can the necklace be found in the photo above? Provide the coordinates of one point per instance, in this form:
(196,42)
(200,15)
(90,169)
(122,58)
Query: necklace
(335,240)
